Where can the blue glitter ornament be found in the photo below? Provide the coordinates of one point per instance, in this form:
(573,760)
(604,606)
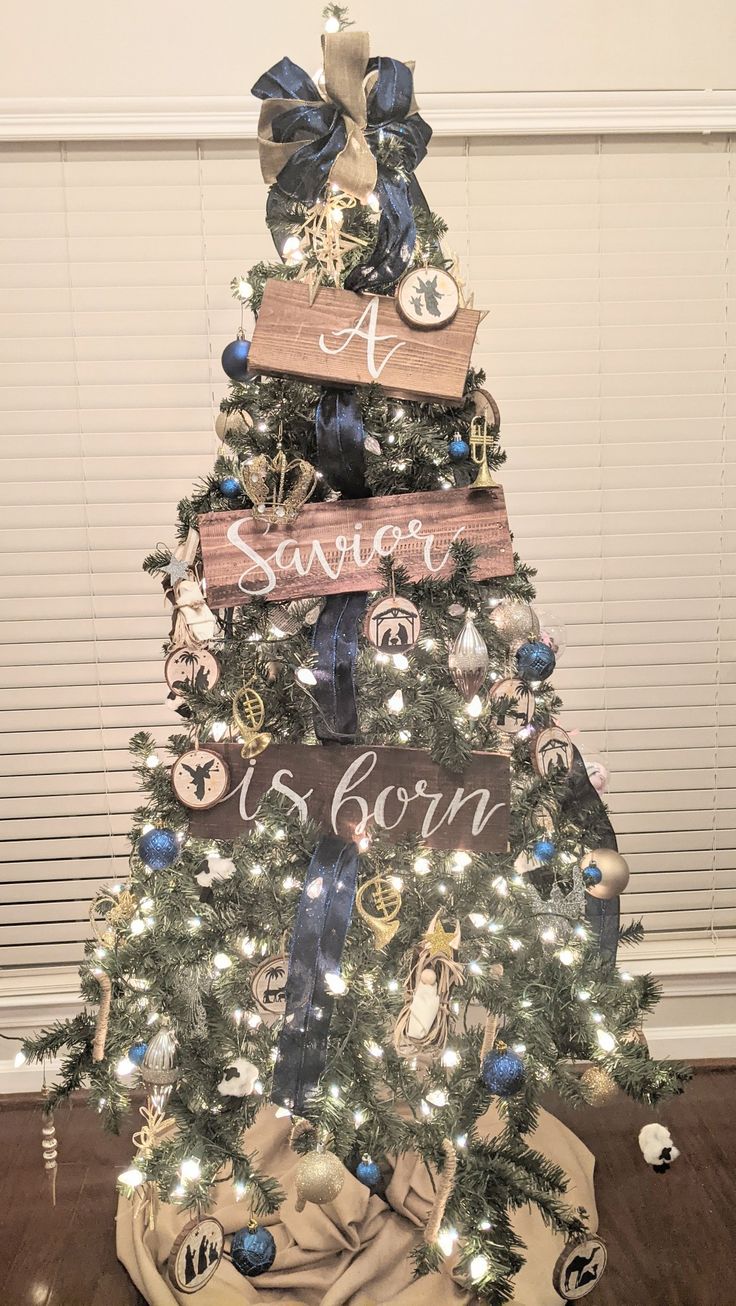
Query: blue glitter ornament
(592,875)
(503,1073)
(458,449)
(253,1250)
(137,1053)
(158,849)
(235,359)
(229,486)
(368,1172)
(544,850)
(535,660)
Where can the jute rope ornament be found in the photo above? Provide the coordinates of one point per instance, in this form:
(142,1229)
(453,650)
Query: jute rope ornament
(157,1129)
(103,1015)
(442,1193)
(492,1020)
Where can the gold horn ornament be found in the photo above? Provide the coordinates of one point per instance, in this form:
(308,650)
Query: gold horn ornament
(382,910)
(249,715)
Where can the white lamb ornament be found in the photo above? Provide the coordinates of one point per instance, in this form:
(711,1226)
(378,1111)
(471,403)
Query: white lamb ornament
(218,868)
(657,1147)
(239,1078)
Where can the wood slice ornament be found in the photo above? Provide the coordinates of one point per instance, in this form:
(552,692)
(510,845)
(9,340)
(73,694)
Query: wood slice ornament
(187,669)
(196,1254)
(200,778)
(392,624)
(521,710)
(553,750)
(579,1267)
(427,298)
(268,987)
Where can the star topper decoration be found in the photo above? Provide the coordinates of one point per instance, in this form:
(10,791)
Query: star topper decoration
(561,911)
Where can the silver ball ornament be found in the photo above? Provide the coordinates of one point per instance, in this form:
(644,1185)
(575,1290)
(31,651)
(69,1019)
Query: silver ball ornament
(515,620)
(319,1178)
(614,873)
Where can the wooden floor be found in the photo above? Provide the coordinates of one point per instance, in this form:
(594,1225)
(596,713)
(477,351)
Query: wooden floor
(670,1237)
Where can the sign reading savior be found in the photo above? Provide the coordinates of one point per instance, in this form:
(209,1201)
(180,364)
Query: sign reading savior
(348,339)
(351,790)
(336,548)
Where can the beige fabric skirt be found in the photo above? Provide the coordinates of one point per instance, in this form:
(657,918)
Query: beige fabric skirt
(355,1251)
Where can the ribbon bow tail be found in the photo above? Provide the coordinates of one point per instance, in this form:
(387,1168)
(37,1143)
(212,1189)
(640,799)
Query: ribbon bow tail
(194,623)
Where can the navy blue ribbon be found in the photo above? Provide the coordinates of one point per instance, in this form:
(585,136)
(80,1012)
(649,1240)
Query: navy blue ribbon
(340,436)
(321,128)
(320,930)
(335,641)
(582,803)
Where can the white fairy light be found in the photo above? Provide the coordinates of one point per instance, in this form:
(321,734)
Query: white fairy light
(396,882)
(239,1191)
(194,922)
(479,1267)
(221,961)
(393,986)
(334,1090)
(519,1049)
(364,843)
(501,886)
(374,1049)
(125,1067)
(247,946)
(584,995)
(525,1003)
(219,730)
(446,1240)
(461,860)
(450,1058)
(245,289)
(132,1177)
(358,1118)
(548,935)
(606,1041)
(152,760)
(477,919)
(484,1225)
(475,968)
(306,676)
(405,736)
(373,202)
(137,926)
(474,708)
(190,1169)
(396,702)
(425,1108)
(515,945)
(254,1021)
(438,1097)
(566,957)
(422,866)
(625,977)
(335,983)
(461,1140)
(19,1059)
(597,1017)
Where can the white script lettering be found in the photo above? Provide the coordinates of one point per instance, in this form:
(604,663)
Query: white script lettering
(369,314)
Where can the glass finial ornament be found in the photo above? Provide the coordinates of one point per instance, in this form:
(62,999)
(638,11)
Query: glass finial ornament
(468,660)
(159,1070)
(605,873)
(458,449)
(503,1072)
(158,849)
(535,660)
(229,487)
(235,358)
(252,1250)
(368,1172)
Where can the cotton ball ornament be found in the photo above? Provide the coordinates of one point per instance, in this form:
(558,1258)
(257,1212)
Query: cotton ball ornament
(605,873)
(319,1179)
(217,869)
(238,1079)
(158,849)
(252,1250)
(657,1147)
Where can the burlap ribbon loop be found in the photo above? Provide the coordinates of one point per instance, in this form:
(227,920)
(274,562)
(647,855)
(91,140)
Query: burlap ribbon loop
(308,138)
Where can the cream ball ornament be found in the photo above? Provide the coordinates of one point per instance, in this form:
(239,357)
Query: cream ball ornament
(319,1179)
(605,873)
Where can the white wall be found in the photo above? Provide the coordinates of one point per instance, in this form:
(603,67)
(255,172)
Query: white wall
(160,48)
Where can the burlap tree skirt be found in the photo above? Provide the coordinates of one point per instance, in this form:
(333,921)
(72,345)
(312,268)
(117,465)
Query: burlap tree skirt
(357,1250)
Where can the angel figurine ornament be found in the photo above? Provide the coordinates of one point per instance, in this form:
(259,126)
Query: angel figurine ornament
(424,1022)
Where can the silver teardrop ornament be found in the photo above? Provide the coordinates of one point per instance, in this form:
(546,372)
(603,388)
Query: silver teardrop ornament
(468,660)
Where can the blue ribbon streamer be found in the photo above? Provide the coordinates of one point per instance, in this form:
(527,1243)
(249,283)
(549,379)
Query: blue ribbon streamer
(321,127)
(320,930)
(335,641)
(340,436)
(582,803)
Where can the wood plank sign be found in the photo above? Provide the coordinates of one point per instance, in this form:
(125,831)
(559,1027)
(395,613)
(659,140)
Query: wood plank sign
(348,339)
(351,789)
(336,548)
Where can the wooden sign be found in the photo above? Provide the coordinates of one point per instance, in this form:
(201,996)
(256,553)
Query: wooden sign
(348,339)
(336,548)
(352,790)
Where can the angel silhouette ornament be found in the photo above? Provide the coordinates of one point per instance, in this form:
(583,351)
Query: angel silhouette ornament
(201,778)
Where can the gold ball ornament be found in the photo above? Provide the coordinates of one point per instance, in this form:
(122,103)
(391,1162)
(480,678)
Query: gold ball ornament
(515,620)
(600,1087)
(238,422)
(614,871)
(319,1179)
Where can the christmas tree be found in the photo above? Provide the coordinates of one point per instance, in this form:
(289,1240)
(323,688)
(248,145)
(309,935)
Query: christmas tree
(372,889)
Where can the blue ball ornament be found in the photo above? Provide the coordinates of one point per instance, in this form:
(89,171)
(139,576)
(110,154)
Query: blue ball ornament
(535,660)
(137,1053)
(544,850)
(253,1250)
(592,875)
(458,450)
(158,849)
(368,1172)
(235,359)
(229,486)
(503,1073)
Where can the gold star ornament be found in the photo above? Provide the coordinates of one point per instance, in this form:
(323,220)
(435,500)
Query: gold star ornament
(441,942)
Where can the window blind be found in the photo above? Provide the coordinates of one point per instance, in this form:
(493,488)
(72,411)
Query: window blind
(605,266)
